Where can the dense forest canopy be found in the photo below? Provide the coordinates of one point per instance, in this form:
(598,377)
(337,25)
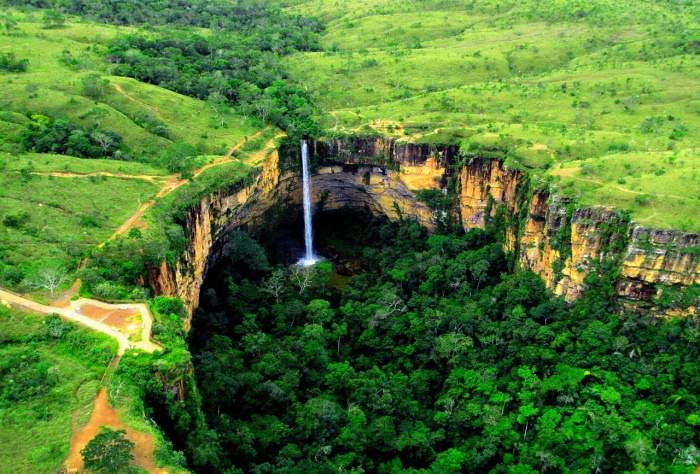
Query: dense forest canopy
(433,358)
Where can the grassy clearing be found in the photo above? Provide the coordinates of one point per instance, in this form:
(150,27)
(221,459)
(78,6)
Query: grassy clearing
(36,428)
(548,82)
(46,162)
(50,87)
(190,120)
(663,189)
(59,219)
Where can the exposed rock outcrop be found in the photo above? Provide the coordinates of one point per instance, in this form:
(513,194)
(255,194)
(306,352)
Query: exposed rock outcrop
(379,190)
(659,257)
(547,234)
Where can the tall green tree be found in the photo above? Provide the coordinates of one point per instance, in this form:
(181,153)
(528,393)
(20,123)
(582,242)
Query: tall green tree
(109,451)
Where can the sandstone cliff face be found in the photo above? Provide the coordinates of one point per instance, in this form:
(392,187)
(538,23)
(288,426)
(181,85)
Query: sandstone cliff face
(379,190)
(484,185)
(562,262)
(382,192)
(659,257)
(651,258)
(206,223)
(387,150)
(551,238)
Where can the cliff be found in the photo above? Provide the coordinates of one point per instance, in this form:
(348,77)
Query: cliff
(207,224)
(276,194)
(659,257)
(546,234)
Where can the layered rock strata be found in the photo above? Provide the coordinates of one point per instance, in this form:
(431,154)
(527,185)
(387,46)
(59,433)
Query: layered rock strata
(546,235)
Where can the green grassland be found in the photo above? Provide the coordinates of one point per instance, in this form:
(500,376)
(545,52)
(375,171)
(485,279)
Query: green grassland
(60,218)
(53,378)
(547,82)
(49,162)
(52,87)
(661,188)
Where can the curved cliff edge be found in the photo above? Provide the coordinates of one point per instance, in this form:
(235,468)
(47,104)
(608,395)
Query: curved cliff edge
(545,233)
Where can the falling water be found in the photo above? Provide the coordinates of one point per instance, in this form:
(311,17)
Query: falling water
(309,257)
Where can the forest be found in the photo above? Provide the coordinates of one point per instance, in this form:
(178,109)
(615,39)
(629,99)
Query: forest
(432,357)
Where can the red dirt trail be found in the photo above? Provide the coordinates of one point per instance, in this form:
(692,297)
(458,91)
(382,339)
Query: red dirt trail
(103,414)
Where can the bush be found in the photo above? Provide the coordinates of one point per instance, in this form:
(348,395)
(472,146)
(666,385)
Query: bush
(643,199)
(10,64)
(110,291)
(620,147)
(165,305)
(15,221)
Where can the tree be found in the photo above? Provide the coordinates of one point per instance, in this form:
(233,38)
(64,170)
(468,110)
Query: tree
(54,19)
(274,285)
(263,107)
(94,86)
(480,270)
(179,158)
(104,140)
(96,115)
(109,451)
(219,105)
(50,277)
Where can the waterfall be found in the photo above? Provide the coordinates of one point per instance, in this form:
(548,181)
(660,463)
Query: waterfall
(309,257)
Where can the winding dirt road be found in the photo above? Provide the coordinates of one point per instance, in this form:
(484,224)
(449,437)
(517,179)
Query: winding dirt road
(121,91)
(102,414)
(72,312)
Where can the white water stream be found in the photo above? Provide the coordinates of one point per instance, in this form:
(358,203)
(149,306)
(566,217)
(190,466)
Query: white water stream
(309,257)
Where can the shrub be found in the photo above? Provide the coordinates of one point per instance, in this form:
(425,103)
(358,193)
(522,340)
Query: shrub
(15,221)
(643,199)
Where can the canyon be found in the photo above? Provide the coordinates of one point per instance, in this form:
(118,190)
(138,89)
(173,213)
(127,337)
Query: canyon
(545,233)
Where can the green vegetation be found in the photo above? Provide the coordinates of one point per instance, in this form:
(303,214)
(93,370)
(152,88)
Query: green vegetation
(50,220)
(10,64)
(547,82)
(109,451)
(48,162)
(246,37)
(662,188)
(44,135)
(116,271)
(433,359)
(50,370)
(159,378)
(65,80)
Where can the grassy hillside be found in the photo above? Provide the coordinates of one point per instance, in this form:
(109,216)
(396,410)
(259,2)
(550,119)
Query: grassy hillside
(57,207)
(53,220)
(50,374)
(550,83)
(60,59)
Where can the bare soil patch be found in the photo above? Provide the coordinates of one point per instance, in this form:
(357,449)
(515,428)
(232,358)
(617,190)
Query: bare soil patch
(104,415)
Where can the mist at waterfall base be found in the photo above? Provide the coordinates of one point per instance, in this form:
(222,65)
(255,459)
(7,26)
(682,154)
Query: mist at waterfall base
(309,258)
